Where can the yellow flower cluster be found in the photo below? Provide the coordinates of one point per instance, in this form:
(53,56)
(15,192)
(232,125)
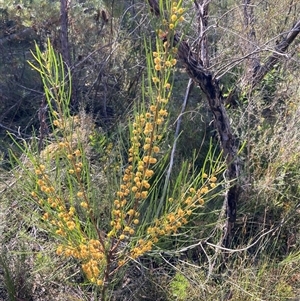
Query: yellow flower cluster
(92,258)
(160,63)
(135,182)
(63,218)
(176,15)
(60,214)
(196,197)
(143,246)
(142,155)
(166,226)
(143,152)
(56,213)
(212,182)
(170,223)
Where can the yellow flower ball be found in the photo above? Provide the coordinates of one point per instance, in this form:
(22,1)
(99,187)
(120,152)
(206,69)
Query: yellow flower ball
(59,250)
(38,172)
(149,173)
(144,194)
(153,108)
(77,153)
(173,18)
(56,123)
(157,60)
(157,67)
(70,225)
(213,179)
(84,204)
(155,80)
(33,194)
(131,212)
(156,149)
(146,184)
(80,194)
(159,121)
(152,160)
(40,182)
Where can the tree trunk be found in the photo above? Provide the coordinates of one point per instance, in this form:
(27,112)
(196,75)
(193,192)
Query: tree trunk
(211,89)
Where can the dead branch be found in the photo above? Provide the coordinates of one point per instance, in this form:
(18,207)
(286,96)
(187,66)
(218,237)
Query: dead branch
(273,59)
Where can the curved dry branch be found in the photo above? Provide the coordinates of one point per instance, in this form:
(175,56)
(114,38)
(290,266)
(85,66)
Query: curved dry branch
(280,48)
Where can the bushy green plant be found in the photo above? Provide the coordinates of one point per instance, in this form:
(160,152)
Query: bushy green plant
(60,181)
(179,287)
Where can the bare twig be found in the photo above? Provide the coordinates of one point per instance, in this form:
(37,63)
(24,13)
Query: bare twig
(281,47)
(168,175)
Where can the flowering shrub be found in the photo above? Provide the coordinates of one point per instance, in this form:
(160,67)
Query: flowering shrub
(69,209)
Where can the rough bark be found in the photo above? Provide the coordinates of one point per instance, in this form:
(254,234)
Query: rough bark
(211,89)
